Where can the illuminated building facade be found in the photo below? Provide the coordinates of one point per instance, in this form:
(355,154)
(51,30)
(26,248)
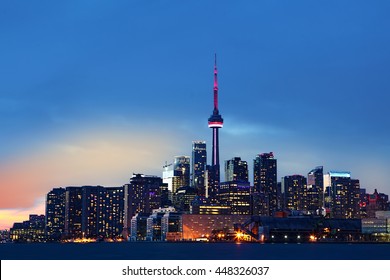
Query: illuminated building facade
(315,189)
(73,212)
(93,214)
(114,205)
(199,162)
(168,177)
(138,227)
(84,212)
(200,226)
(294,189)
(153,224)
(208,209)
(181,172)
(265,184)
(342,195)
(32,230)
(236,195)
(141,195)
(236,170)
(171,227)
(55,214)
(376,202)
(184,198)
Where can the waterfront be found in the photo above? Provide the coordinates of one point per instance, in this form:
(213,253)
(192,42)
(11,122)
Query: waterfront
(194,251)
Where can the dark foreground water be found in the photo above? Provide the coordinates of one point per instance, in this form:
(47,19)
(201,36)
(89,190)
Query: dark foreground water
(193,251)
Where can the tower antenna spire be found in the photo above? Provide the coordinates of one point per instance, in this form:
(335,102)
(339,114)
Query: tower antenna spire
(215,84)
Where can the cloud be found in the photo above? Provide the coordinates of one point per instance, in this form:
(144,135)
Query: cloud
(244,128)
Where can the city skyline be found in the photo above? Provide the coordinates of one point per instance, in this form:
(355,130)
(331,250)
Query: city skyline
(83,101)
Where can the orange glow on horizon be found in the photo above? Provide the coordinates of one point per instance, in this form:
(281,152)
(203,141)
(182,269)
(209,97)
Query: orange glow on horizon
(105,158)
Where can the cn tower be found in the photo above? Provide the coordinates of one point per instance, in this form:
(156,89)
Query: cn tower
(215,123)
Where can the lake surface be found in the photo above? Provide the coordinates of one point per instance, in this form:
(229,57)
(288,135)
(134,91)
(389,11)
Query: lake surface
(193,251)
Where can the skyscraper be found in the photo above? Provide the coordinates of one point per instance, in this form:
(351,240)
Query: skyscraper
(315,189)
(93,211)
(142,195)
(181,172)
(342,194)
(215,123)
(73,212)
(199,161)
(294,189)
(87,211)
(114,211)
(55,214)
(236,170)
(102,212)
(236,195)
(265,184)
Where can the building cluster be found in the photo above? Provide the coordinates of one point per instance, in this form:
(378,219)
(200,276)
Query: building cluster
(190,201)
(180,206)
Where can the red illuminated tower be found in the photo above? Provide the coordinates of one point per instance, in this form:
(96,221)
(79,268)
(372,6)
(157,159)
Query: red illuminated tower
(215,123)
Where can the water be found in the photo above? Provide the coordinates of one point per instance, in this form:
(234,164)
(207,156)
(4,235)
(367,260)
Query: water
(193,251)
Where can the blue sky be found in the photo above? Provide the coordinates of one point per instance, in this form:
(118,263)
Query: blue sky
(92,91)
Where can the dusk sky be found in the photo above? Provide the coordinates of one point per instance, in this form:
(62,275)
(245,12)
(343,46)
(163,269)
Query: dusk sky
(92,91)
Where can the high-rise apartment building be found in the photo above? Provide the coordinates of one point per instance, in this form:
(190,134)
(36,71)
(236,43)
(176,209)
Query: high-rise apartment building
(114,211)
(93,214)
(265,184)
(87,211)
(236,170)
(141,195)
(55,214)
(73,212)
(199,162)
(294,189)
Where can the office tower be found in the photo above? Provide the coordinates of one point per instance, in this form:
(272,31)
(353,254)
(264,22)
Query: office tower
(199,161)
(55,214)
(142,195)
(73,212)
(315,189)
(184,198)
(294,189)
(168,175)
(181,172)
(265,184)
(215,123)
(236,195)
(342,194)
(236,170)
(168,179)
